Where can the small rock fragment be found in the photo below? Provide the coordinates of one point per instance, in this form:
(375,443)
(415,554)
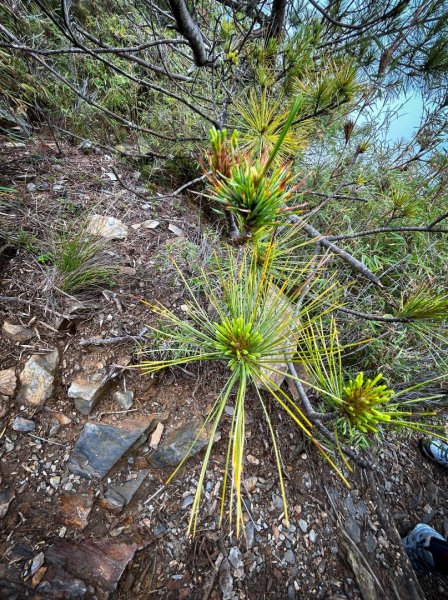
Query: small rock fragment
(38,561)
(6,497)
(55,481)
(98,562)
(107,227)
(119,495)
(23,425)
(63,419)
(235,557)
(8,382)
(86,394)
(55,428)
(17,333)
(176,230)
(303,525)
(186,502)
(149,224)
(37,378)
(124,398)
(74,509)
(177,444)
(250,534)
(156,436)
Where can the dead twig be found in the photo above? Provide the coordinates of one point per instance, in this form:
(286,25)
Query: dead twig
(17,300)
(113,340)
(352,236)
(211,580)
(380,318)
(325,241)
(126,187)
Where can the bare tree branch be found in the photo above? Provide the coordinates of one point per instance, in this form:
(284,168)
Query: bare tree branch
(348,258)
(189,29)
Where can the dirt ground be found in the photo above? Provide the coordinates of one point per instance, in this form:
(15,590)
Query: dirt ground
(340,544)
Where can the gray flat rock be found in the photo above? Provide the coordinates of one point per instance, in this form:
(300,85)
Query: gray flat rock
(86,393)
(101,445)
(176,445)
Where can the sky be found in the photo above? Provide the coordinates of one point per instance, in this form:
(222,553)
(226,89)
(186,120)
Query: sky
(408,118)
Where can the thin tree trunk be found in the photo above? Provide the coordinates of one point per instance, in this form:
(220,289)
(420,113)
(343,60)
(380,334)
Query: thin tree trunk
(189,29)
(277,20)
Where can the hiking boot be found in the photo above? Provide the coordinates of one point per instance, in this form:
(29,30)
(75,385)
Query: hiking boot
(436,450)
(427,550)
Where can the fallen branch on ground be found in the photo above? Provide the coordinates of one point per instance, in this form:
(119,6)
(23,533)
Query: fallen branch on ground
(113,340)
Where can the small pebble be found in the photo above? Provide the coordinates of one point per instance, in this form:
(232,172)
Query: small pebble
(303,525)
(188,501)
(55,481)
(23,425)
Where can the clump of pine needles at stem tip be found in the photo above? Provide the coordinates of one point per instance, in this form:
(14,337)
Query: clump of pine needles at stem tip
(253,192)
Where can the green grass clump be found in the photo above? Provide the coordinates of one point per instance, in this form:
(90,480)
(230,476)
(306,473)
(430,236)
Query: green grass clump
(79,262)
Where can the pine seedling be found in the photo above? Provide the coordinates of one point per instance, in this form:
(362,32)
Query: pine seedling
(251,335)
